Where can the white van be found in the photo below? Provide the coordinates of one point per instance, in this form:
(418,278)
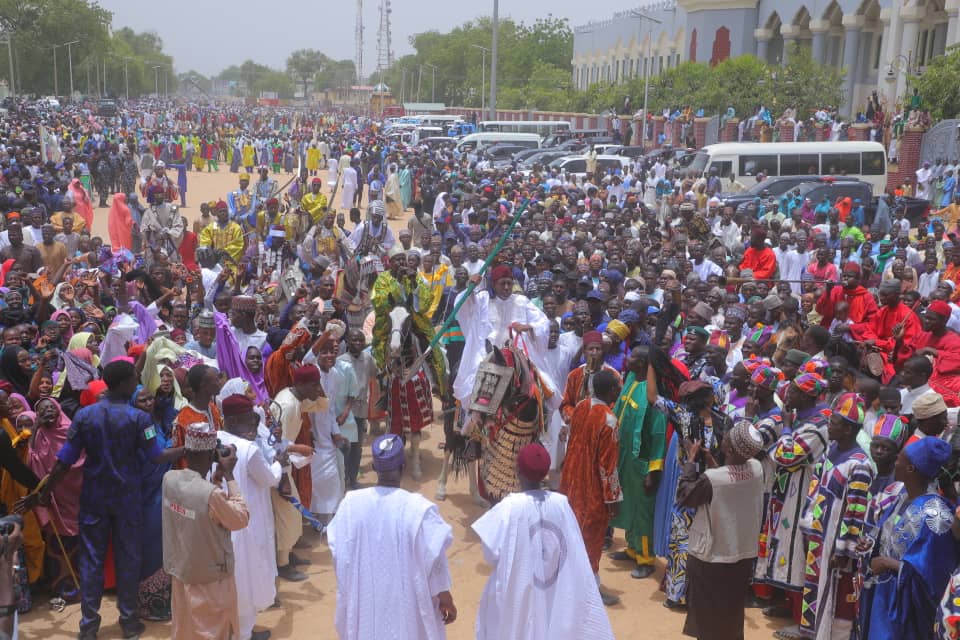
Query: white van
(480,140)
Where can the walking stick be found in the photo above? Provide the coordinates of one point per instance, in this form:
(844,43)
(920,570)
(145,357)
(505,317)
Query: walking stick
(466,294)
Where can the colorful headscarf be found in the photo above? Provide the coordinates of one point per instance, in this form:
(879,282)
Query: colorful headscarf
(850,407)
(618,329)
(811,384)
(719,338)
(752,364)
(892,427)
(767,377)
(818,366)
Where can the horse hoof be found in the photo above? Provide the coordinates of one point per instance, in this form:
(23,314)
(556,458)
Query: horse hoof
(480,501)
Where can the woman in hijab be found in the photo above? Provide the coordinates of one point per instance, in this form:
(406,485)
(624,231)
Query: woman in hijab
(89,341)
(63,319)
(63,296)
(154,594)
(78,371)
(64,511)
(17,367)
(14,313)
(82,205)
(120,223)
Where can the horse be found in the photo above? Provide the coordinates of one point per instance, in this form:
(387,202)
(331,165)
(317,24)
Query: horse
(505,414)
(409,400)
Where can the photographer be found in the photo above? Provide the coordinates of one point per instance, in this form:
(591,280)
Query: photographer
(11,537)
(110,432)
(198,517)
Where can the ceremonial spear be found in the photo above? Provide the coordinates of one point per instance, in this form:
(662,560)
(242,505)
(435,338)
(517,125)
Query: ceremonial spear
(467,292)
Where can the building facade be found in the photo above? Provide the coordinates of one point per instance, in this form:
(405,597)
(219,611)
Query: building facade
(878,42)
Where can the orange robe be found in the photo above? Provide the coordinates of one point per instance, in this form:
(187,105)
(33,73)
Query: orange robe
(763,262)
(590,479)
(880,330)
(574,390)
(946,368)
(187,416)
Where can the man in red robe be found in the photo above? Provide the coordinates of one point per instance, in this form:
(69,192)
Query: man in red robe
(863,308)
(893,330)
(590,478)
(758,257)
(944,345)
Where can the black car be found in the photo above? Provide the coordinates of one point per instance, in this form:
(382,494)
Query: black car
(769,188)
(107,108)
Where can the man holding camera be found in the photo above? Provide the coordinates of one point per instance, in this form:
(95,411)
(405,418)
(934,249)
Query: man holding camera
(198,518)
(111,433)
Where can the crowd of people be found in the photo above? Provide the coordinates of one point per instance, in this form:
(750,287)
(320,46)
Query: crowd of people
(765,400)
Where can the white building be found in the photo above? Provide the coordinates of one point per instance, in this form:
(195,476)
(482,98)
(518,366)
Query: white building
(878,42)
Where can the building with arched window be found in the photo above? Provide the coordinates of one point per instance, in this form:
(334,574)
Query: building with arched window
(878,42)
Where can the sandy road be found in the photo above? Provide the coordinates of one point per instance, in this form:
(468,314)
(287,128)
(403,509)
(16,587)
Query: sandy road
(307,608)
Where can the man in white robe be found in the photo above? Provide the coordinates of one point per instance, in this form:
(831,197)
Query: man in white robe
(541,586)
(255,569)
(288,408)
(389,550)
(489,319)
(330,433)
(924,175)
(349,187)
(559,359)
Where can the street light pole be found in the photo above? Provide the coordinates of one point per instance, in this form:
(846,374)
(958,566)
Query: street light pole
(433,81)
(56,85)
(483,76)
(69,46)
(419,81)
(126,79)
(13,91)
(646,68)
(493,60)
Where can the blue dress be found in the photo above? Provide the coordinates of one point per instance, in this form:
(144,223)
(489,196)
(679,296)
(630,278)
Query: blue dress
(666,496)
(918,534)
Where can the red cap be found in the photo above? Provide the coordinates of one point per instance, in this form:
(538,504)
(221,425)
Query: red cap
(533,462)
(940,308)
(852,267)
(501,271)
(306,374)
(237,405)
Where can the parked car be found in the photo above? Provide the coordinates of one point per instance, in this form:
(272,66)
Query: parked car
(107,108)
(769,188)
(577,165)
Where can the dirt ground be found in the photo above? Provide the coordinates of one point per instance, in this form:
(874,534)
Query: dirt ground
(307,608)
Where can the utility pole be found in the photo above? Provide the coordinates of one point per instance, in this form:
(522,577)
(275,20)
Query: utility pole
(104,75)
(403,85)
(433,82)
(56,85)
(483,76)
(648,62)
(493,60)
(13,91)
(126,79)
(419,81)
(69,46)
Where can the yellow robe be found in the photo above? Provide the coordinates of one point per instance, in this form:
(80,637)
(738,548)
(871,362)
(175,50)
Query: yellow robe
(228,238)
(315,205)
(10,492)
(313,158)
(249,155)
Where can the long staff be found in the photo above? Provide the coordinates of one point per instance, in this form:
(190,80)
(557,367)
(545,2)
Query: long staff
(467,292)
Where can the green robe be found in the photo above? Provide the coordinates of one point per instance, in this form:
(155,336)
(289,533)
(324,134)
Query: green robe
(417,295)
(642,449)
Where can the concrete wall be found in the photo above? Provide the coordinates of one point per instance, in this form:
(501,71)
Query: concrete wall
(740,22)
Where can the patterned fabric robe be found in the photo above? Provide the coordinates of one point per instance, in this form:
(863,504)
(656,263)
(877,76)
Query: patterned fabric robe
(794,458)
(833,524)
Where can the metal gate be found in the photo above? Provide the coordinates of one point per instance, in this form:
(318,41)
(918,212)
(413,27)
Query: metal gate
(713,131)
(941,141)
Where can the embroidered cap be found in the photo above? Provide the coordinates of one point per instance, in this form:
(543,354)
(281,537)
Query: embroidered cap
(200,437)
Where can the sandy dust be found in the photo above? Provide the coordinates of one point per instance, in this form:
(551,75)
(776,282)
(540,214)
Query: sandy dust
(307,608)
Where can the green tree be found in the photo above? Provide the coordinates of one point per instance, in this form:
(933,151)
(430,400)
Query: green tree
(939,86)
(303,65)
(336,74)
(804,84)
